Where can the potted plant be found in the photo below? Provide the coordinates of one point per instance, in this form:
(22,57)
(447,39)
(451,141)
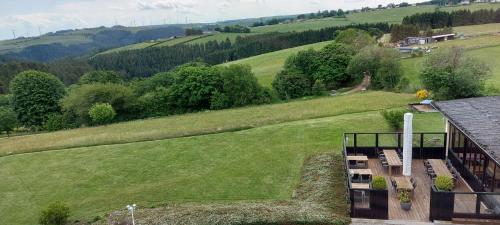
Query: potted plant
(404,200)
(443,183)
(378,183)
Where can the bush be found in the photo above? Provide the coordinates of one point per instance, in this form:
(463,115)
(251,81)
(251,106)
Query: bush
(319,88)
(5,100)
(333,61)
(379,183)
(194,86)
(382,64)
(8,120)
(219,101)
(58,121)
(55,214)
(291,84)
(240,86)
(102,113)
(79,101)
(388,74)
(35,95)
(444,183)
(450,74)
(101,76)
(395,118)
(159,80)
(155,103)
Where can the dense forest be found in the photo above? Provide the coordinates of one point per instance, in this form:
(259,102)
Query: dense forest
(148,61)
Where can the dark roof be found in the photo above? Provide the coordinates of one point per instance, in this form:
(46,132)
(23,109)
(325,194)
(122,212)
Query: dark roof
(478,118)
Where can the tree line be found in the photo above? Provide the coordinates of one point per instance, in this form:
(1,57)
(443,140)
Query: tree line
(40,101)
(424,24)
(148,61)
(463,17)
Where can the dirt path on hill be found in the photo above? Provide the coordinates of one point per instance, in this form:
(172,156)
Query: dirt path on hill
(367,80)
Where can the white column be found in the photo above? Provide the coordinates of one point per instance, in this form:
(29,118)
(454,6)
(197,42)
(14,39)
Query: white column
(407,144)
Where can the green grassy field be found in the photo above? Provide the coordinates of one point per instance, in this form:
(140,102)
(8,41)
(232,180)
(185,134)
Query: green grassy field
(219,37)
(478,29)
(207,122)
(396,15)
(157,43)
(256,164)
(313,24)
(266,66)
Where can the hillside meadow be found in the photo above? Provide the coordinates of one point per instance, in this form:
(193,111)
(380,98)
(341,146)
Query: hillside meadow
(266,66)
(262,163)
(203,122)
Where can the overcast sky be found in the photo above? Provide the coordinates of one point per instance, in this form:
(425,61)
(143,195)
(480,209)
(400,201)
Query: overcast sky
(28,17)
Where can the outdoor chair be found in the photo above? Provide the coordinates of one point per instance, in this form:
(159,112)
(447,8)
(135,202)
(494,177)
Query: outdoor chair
(361,165)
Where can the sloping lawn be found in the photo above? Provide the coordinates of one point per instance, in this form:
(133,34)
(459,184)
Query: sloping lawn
(203,122)
(257,164)
(266,66)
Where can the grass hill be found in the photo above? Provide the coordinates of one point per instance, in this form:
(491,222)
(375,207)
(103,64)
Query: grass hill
(266,66)
(261,163)
(395,15)
(66,43)
(482,41)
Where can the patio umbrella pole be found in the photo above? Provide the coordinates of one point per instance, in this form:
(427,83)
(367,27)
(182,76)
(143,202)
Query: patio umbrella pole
(407,144)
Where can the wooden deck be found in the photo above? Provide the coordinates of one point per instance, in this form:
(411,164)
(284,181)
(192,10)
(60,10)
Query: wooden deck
(421,195)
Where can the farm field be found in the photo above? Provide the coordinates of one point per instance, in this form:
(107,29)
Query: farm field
(266,66)
(256,164)
(482,29)
(158,43)
(207,122)
(313,24)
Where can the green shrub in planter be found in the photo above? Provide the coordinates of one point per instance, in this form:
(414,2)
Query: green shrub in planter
(404,197)
(56,214)
(378,183)
(444,183)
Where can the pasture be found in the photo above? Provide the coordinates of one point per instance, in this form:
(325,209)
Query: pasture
(262,163)
(206,122)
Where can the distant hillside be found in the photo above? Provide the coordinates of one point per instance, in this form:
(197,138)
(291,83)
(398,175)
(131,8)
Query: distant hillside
(71,43)
(391,16)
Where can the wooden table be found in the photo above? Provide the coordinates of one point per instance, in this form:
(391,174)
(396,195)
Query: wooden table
(440,168)
(404,184)
(361,171)
(392,159)
(360,186)
(358,158)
